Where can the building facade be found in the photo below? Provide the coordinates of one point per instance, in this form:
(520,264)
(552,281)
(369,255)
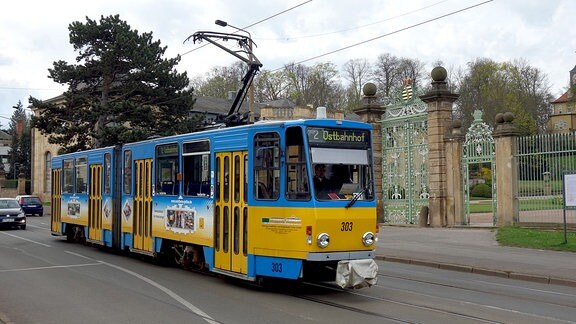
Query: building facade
(5,141)
(563,118)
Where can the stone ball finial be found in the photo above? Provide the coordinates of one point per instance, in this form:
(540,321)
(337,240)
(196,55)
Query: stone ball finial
(508,117)
(439,74)
(499,118)
(369,89)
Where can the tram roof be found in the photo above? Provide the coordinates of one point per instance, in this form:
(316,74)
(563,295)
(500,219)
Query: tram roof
(264,124)
(243,128)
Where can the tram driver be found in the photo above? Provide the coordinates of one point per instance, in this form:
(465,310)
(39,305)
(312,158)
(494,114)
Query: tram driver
(321,182)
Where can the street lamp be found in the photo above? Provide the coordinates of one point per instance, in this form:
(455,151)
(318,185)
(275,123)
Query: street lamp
(224,24)
(250,57)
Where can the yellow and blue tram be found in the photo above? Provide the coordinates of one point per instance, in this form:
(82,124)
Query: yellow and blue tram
(238,201)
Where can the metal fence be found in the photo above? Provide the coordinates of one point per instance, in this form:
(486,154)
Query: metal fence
(478,154)
(542,160)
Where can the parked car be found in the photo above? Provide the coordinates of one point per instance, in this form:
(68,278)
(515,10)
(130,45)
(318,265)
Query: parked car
(31,204)
(11,214)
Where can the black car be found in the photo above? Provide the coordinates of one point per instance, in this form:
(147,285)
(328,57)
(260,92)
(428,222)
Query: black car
(31,204)
(11,214)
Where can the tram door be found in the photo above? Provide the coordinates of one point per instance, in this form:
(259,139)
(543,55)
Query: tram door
(95,204)
(231,212)
(56,202)
(143,205)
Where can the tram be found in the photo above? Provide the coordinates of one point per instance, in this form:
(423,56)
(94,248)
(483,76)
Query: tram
(238,201)
(239,198)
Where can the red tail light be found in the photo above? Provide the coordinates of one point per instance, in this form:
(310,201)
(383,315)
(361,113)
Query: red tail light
(308,230)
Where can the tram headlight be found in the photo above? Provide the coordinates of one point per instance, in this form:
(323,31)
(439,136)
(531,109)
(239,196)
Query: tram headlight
(368,238)
(323,240)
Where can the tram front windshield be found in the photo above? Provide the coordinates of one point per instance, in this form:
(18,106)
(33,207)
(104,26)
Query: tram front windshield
(340,163)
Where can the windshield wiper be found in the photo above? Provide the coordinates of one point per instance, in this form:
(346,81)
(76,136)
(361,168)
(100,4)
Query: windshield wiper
(358,195)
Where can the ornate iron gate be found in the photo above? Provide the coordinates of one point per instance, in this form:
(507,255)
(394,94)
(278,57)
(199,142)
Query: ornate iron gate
(478,158)
(405,187)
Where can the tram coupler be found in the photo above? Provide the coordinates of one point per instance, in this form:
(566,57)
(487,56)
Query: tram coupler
(356,274)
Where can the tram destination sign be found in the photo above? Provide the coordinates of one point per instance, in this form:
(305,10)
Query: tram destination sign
(338,137)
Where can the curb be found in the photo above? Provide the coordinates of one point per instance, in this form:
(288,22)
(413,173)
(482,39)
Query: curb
(482,271)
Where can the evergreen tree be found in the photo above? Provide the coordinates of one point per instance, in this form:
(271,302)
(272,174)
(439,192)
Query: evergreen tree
(19,155)
(121,90)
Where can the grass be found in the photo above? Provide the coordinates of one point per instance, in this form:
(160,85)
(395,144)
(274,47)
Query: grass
(536,239)
(485,205)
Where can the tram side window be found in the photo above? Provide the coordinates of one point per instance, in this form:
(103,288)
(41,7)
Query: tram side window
(167,170)
(68,176)
(81,175)
(297,187)
(127,172)
(267,165)
(107,173)
(196,168)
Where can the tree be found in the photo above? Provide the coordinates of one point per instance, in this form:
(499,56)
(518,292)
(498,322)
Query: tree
(270,85)
(357,72)
(19,154)
(318,85)
(221,80)
(386,74)
(121,90)
(390,72)
(412,69)
(500,87)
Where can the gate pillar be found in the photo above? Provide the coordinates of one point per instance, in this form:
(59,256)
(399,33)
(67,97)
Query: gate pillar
(455,199)
(371,111)
(507,209)
(439,100)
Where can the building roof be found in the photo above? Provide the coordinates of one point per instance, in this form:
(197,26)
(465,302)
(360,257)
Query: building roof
(4,135)
(280,103)
(214,105)
(563,98)
(207,104)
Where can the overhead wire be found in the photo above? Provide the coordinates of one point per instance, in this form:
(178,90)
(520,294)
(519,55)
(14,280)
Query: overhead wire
(384,35)
(334,51)
(356,27)
(256,23)
(190,51)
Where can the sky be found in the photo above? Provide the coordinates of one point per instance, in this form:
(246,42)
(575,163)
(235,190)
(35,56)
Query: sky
(34,35)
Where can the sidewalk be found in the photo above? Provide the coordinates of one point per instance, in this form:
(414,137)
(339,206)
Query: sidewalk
(474,250)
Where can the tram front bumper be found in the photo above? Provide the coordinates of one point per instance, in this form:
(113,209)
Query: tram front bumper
(356,273)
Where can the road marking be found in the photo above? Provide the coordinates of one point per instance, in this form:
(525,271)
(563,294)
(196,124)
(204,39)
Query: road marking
(82,256)
(53,267)
(40,227)
(25,239)
(167,291)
